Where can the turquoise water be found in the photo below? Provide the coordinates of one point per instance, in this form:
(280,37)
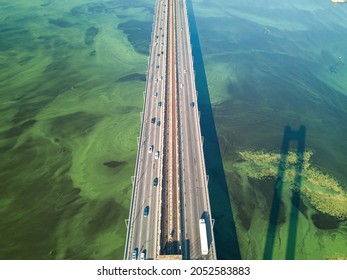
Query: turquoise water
(269,65)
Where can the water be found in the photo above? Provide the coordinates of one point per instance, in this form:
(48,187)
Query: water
(270,65)
(71,83)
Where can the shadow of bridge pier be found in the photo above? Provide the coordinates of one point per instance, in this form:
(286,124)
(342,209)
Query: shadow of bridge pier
(289,136)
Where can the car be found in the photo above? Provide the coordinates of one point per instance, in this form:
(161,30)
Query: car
(191,104)
(157,66)
(155,94)
(156,154)
(159,104)
(150,150)
(134,255)
(145,211)
(153,120)
(155,181)
(143,255)
(158,123)
(156,80)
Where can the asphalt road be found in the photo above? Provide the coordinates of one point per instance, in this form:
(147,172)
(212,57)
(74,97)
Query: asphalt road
(143,232)
(194,180)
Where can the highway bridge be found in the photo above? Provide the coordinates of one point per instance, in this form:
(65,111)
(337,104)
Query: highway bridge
(170,193)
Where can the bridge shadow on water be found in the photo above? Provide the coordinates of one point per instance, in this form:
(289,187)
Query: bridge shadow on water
(298,136)
(227,246)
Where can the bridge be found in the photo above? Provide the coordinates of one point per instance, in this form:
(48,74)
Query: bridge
(170,193)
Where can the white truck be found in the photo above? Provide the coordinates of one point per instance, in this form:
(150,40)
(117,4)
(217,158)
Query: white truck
(203,237)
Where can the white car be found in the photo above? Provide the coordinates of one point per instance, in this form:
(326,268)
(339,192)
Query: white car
(150,150)
(157,155)
(143,255)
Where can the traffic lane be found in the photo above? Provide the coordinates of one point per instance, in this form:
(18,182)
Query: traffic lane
(150,230)
(185,159)
(140,223)
(144,222)
(193,154)
(186,180)
(145,128)
(186,169)
(147,180)
(150,175)
(189,172)
(136,225)
(192,187)
(154,203)
(147,163)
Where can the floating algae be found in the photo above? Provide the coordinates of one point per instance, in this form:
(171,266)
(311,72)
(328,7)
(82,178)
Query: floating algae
(337,256)
(321,190)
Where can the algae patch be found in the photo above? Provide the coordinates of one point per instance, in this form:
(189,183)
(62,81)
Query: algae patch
(321,190)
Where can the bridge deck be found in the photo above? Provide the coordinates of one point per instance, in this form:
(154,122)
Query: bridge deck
(181,198)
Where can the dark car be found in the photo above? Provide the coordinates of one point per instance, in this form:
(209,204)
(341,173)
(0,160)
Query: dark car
(158,123)
(155,181)
(134,255)
(153,120)
(191,104)
(145,211)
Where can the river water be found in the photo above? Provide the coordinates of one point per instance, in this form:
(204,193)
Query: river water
(72,75)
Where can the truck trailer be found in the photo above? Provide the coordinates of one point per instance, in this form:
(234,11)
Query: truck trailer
(203,237)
